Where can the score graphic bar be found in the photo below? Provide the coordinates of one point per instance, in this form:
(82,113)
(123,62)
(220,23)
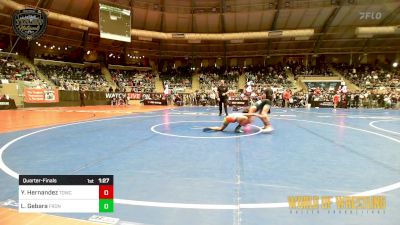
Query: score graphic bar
(66,193)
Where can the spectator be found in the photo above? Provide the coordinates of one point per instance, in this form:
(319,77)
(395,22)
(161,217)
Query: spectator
(286,97)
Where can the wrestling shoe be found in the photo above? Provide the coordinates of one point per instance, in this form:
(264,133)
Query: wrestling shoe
(269,129)
(207,129)
(238,130)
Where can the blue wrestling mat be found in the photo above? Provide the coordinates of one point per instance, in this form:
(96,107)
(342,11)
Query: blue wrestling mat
(167,171)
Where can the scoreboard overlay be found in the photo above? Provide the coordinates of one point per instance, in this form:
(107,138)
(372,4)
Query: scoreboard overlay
(66,193)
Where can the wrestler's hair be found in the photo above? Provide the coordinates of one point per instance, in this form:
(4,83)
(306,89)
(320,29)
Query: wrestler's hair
(246,110)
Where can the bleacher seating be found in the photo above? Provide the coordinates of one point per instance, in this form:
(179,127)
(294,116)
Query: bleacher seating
(13,69)
(261,76)
(299,69)
(72,78)
(210,77)
(133,80)
(178,79)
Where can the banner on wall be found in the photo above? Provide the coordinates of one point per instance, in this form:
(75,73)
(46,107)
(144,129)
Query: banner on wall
(135,96)
(130,96)
(112,95)
(33,95)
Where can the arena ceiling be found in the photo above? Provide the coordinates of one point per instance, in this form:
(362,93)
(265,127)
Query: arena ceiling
(334,23)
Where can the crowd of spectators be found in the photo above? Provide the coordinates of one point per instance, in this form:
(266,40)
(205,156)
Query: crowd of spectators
(178,79)
(385,98)
(12,69)
(321,69)
(211,75)
(71,78)
(133,81)
(370,77)
(260,76)
(371,99)
(379,84)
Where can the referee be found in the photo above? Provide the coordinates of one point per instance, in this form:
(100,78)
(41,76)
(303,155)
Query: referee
(82,96)
(223,97)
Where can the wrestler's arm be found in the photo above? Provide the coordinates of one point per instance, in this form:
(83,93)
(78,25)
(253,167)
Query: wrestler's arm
(221,128)
(254,114)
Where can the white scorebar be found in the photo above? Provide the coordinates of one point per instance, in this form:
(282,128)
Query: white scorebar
(42,192)
(59,206)
(60,198)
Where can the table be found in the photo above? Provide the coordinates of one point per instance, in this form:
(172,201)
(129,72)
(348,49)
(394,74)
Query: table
(7,104)
(322,104)
(238,102)
(155,102)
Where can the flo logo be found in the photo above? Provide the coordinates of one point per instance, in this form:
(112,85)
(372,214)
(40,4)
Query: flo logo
(370,15)
(29,24)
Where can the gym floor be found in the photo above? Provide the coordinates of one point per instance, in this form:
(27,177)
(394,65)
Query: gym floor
(167,171)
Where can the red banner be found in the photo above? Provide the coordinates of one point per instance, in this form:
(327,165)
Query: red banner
(33,95)
(135,96)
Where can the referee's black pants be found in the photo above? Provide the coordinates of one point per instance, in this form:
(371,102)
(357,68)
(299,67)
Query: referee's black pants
(224,101)
(82,102)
